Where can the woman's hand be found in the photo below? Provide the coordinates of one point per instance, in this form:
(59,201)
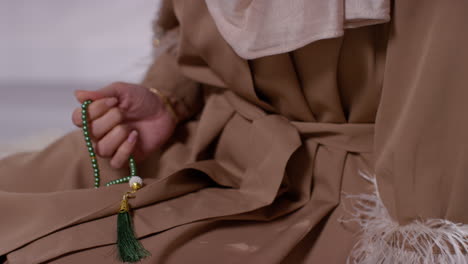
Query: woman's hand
(125,119)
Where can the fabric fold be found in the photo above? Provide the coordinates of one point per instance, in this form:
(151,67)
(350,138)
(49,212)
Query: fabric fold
(262,175)
(268,27)
(270,141)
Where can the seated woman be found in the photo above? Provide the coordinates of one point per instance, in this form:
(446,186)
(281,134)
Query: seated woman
(264,132)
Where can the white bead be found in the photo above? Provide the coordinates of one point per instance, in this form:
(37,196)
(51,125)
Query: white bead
(134,179)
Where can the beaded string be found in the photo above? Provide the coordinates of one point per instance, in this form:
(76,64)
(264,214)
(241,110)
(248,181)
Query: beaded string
(92,154)
(129,248)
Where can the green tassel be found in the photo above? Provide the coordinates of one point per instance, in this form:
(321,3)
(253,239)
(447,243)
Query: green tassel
(130,249)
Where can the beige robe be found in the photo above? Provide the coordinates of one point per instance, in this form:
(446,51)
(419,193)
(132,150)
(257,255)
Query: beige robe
(269,170)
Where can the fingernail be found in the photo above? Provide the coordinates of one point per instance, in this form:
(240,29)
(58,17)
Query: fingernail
(111,101)
(133,136)
(80,91)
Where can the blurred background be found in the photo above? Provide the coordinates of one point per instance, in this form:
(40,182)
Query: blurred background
(49,48)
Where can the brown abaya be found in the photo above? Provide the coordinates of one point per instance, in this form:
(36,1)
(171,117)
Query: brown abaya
(268,171)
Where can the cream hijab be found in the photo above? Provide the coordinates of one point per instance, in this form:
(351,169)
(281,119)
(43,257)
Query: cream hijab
(257,28)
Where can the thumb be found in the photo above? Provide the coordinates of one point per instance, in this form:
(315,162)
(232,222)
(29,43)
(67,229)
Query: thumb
(82,95)
(108,91)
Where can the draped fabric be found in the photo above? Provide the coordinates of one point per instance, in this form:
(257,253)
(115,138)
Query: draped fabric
(257,28)
(263,172)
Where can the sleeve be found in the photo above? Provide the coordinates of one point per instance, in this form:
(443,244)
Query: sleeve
(419,210)
(164,73)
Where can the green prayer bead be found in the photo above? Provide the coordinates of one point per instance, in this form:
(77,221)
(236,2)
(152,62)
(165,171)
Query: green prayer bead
(92,154)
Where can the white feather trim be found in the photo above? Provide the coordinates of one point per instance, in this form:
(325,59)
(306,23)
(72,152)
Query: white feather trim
(384,241)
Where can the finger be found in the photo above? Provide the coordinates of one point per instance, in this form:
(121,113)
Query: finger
(82,95)
(125,150)
(95,110)
(111,90)
(138,155)
(105,123)
(108,145)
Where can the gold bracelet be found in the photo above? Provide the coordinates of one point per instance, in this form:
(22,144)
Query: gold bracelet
(166,101)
